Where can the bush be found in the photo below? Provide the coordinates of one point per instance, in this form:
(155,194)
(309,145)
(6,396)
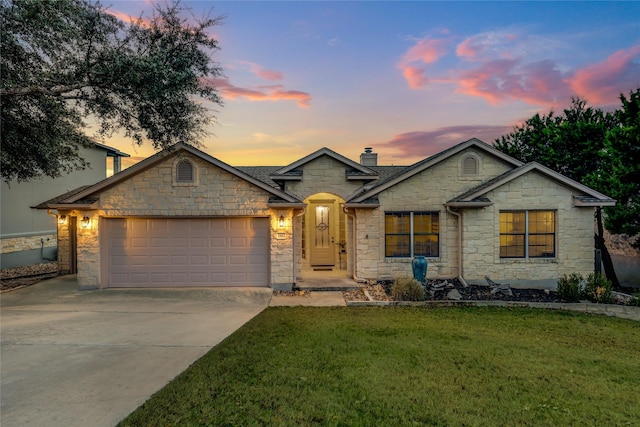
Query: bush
(598,289)
(571,288)
(635,301)
(407,290)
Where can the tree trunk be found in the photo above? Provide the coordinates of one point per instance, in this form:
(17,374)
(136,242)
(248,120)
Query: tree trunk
(609,270)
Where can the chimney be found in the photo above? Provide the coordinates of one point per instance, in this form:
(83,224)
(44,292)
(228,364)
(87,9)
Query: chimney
(369,158)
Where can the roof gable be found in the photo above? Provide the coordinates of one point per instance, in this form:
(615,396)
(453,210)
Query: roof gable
(476,194)
(292,171)
(429,162)
(155,159)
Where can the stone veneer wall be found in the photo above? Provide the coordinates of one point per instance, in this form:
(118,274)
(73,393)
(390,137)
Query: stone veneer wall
(574,234)
(426,191)
(323,175)
(88,243)
(26,243)
(153,193)
(64,247)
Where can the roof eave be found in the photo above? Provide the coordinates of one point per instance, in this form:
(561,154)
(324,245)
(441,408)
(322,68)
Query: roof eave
(470,205)
(285,178)
(71,206)
(595,203)
(361,177)
(286,205)
(362,205)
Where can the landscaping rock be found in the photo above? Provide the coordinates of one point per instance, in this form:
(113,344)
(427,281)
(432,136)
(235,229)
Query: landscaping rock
(454,295)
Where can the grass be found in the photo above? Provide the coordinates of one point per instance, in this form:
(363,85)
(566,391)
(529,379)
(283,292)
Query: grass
(410,366)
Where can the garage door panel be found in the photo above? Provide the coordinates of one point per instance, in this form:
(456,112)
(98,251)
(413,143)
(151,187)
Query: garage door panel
(187,252)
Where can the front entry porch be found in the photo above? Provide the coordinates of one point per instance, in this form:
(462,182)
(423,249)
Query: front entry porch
(314,279)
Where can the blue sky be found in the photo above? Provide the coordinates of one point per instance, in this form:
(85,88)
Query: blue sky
(406,78)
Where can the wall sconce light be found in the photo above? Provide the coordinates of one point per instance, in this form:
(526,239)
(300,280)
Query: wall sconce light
(281,222)
(86,222)
(62,219)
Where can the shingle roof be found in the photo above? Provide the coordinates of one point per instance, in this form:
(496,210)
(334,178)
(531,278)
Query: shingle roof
(60,198)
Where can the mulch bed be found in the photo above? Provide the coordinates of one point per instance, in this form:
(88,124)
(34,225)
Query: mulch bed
(381,291)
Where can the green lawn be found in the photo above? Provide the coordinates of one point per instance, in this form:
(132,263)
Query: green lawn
(372,366)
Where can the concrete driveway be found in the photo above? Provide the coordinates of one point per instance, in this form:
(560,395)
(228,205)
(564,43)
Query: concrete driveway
(89,358)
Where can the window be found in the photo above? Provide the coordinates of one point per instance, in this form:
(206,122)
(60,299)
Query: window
(408,234)
(469,166)
(184,171)
(527,234)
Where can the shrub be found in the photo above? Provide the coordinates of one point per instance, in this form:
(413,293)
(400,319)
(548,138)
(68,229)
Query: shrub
(635,301)
(407,290)
(571,288)
(598,289)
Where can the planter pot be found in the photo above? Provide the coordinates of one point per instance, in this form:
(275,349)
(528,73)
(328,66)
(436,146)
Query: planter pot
(419,267)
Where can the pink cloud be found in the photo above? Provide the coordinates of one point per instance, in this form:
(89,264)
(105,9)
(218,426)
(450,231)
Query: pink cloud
(415,77)
(467,49)
(425,51)
(262,93)
(507,79)
(426,143)
(603,82)
(485,43)
(264,73)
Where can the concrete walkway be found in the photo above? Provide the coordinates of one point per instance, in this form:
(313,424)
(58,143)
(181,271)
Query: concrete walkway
(89,358)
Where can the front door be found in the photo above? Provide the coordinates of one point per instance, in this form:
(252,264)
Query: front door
(322,234)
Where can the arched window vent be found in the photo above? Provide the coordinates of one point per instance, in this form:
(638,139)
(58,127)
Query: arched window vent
(184,171)
(469,166)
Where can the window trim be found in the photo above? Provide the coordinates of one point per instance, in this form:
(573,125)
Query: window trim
(526,234)
(412,234)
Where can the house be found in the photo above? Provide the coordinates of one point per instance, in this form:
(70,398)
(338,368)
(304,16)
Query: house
(29,236)
(184,218)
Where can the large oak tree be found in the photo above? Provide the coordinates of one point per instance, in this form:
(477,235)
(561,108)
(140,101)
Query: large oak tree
(68,64)
(601,150)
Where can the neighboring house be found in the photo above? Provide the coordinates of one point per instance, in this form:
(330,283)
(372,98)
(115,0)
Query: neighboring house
(184,218)
(29,236)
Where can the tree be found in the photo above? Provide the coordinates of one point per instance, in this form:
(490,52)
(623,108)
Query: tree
(621,177)
(65,62)
(595,148)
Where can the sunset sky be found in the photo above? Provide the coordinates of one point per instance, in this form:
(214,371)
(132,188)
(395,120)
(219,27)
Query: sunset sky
(406,78)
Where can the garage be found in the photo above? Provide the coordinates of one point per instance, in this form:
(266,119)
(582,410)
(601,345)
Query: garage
(178,252)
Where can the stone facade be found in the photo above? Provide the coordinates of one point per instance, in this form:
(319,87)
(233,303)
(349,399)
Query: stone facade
(426,191)
(26,243)
(153,192)
(217,191)
(323,175)
(574,234)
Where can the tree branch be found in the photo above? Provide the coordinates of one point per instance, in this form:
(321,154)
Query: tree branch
(35,89)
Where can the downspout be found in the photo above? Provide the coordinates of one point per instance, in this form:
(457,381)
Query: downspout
(459,216)
(55,215)
(304,210)
(353,245)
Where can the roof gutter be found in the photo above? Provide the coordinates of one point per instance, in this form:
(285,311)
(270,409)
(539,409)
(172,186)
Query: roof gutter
(459,215)
(457,205)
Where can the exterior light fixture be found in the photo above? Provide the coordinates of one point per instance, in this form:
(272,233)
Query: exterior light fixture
(281,222)
(62,219)
(86,222)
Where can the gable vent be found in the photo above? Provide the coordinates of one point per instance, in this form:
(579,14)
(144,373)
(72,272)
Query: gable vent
(184,171)
(469,166)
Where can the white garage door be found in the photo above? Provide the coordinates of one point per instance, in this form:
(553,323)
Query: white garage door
(157,252)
